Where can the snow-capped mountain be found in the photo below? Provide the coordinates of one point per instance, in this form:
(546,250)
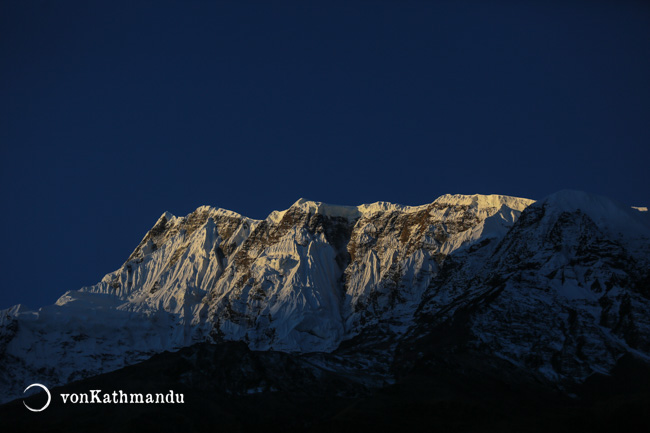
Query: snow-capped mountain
(564,294)
(559,288)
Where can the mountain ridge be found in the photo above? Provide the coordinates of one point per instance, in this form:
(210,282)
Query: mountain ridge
(360,280)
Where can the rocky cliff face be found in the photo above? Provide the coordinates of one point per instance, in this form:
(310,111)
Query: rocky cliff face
(559,291)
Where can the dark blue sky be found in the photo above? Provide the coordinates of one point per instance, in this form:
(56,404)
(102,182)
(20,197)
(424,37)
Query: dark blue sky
(112,113)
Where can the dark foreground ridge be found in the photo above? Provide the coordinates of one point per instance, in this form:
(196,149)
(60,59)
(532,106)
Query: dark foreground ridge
(229,388)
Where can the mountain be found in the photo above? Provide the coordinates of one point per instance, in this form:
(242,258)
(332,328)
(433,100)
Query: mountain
(562,296)
(551,293)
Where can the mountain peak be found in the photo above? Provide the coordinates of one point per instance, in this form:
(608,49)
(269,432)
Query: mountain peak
(608,214)
(317,207)
(167,215)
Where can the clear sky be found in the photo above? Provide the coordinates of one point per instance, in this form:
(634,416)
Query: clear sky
(113,112)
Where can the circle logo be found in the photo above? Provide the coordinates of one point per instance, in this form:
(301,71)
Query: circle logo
(49,397)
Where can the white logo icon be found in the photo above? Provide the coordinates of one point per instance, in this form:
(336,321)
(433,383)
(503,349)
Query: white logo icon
(49,397)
